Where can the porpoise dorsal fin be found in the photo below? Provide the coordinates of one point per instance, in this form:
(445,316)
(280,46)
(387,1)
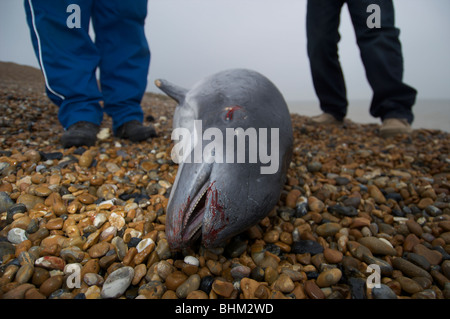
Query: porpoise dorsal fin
(174,91)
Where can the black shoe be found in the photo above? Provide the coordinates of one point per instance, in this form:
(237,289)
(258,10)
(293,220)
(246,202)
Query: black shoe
(135,131)
(80,134)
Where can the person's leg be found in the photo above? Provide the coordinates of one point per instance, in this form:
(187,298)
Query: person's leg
(322,24)
(68,59)
(125,57)
(381,54)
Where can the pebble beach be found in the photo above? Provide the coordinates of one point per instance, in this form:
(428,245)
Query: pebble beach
(359,217)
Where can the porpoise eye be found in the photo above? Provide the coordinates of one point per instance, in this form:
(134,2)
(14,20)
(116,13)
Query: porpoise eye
(233,112)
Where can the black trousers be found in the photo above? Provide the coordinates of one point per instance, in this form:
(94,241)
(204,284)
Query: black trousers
(381,54)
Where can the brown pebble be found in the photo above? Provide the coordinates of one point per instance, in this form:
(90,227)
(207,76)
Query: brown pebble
(39,276)
(286,237)
(86,159)
(33,293)
(332,256)
(359,222)
(175,279)
(329,277)
(190,284)
(197,294)
(42,191)
(21,222)
(223,288)
(408,285)
(410,241)
(414,227)
(27,258)
(271,236)
(270,275)
(139,273)
(433,256)
(129,257)
(299,292)
(395,286)
(214,266)
(93,292)
(248,287)
(22,247)
(446,268)
(18,292)
(30,201)
(99,250)
(262,292)
(425,202)
(25,273)
(107,261)
(445,225)
(33,156)
(409,269)
(439,278)
(50,285)
(86,198)
(315,204)
(376,194)
(142,256)
(328,229)
(169,294)
(189,269)
(304,259)
(377,246)
(284,284)
(55,223)
(291,198)
(92,265)
(313,291)
(152,290)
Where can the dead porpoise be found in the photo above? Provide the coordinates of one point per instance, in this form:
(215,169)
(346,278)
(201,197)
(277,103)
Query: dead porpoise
(233,187)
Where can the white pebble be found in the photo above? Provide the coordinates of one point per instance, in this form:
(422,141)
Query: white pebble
(421,221)
(144,243)
(109,201)
(99,220)
(400,220)
(17,235)
(135,233)
(103,134)
(130,206)
(365,231)
(384,240)
(191,260)
(117,282)
(112,230)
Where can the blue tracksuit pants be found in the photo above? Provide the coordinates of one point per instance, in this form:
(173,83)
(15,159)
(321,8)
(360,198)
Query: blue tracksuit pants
(69,58)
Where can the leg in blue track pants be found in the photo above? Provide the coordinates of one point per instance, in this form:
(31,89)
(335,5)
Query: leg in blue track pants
(69,59)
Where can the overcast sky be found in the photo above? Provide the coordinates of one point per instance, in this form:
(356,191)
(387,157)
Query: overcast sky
(190,39)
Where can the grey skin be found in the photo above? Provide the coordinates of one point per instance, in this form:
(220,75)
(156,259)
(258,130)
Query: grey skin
(220,200)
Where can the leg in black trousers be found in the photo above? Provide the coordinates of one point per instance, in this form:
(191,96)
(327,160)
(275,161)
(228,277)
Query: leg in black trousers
(380,52)
(322,24)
